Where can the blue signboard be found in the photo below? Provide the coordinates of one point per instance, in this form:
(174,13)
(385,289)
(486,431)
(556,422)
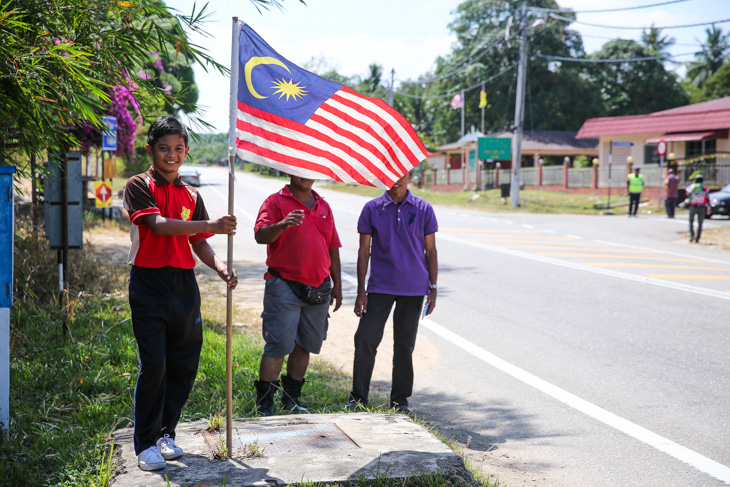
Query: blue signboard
(109,137)
(620,143)
(7,218)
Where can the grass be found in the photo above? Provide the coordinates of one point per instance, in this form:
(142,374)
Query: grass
(71,390)
(531,201)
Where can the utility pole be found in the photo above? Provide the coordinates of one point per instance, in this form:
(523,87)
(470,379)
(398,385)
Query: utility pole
(390,91)
(463,107)
(519,112)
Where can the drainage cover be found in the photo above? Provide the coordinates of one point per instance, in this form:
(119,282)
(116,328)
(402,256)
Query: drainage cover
(282,440)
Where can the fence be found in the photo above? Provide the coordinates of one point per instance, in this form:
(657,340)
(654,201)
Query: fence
(716,172)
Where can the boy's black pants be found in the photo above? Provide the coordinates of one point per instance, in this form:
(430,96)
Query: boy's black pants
(369,333)
(165,306)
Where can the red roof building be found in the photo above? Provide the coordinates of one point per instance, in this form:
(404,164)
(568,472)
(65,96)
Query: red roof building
(689,131)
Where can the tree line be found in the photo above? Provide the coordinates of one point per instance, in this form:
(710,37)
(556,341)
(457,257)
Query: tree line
(66,63)
(565,85)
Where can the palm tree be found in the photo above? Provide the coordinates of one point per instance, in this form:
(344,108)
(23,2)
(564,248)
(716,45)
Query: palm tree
(710,58)
(657,43)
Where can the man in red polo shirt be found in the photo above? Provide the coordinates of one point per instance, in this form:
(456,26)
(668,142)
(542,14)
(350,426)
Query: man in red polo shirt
(303,279)
(169,224)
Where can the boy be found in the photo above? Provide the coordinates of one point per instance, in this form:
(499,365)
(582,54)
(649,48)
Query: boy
(168,218)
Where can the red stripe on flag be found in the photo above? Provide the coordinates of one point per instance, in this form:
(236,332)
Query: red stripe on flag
(357,139)
(283,140)
(294,126)
(392,137)
(404,124)
(286,160)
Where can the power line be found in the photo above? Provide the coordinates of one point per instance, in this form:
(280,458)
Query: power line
(685,44)
(537,9)
(589,60)
(451,94)
(566,19)
(626,60)
(470,59)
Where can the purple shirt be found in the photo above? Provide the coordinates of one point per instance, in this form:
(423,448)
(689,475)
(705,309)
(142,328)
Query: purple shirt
(398,246)
(672,182)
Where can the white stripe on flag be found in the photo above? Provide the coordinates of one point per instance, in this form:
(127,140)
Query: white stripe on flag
(314,142)
(351,139)
(287,151)
(390,119)
(255,158)
(363,134)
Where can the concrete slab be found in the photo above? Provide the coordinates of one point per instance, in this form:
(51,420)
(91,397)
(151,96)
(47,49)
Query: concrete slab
(327,448)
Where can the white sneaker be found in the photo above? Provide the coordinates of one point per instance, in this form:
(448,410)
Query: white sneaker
(150,459)
(168,448)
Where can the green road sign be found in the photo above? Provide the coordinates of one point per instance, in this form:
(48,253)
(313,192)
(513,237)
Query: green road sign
(495,148)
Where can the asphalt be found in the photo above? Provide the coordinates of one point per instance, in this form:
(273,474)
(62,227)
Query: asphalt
(282,450)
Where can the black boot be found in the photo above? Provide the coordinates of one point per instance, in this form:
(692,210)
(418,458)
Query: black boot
(292,389)
(265,392)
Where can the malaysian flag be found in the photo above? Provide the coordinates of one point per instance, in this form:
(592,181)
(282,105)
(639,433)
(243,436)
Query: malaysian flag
(294,121)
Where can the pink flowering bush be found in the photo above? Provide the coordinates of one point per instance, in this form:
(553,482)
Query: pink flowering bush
(122,103)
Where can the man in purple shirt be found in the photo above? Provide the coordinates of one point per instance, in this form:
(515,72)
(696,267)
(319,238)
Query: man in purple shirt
(398,235)
(672,184)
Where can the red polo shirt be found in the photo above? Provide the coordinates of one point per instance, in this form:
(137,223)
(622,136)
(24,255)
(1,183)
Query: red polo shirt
(300,253)
(151,194)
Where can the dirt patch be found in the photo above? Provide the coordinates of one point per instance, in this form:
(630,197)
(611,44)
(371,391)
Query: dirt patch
(718,237)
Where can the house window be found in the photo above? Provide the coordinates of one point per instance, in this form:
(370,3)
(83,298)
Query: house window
(698,147)
(650,155)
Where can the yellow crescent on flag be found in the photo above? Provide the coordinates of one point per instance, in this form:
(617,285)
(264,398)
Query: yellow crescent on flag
(482,99)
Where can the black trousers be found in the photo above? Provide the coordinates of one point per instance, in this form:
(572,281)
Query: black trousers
(166,320)
(699,212)
(670,204)
(634,199)
(368,336)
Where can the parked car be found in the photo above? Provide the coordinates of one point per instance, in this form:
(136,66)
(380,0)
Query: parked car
(189,175)
(720,202)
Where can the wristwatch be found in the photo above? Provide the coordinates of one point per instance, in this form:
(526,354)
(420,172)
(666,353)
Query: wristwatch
(432,286)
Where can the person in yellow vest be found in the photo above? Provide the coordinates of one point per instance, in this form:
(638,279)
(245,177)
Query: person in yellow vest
(634,185)
(697,196)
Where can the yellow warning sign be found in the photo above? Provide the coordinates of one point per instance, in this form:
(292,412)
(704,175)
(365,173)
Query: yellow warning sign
(103,192)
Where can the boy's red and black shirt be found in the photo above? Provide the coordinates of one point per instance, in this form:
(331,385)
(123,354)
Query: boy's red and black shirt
(150,194)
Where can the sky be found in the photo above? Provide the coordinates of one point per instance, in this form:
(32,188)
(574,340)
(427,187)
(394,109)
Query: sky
(408,35)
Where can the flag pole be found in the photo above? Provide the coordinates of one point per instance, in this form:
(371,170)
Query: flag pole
(233,107)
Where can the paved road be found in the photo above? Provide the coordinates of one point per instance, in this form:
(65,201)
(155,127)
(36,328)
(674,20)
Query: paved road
(572,350)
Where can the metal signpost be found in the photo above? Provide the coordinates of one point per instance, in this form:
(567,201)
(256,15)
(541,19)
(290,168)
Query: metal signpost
(109,170)
(611,145)
(661,149)
(64,216)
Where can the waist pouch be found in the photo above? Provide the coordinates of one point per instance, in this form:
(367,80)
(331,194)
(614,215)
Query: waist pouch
(307,294)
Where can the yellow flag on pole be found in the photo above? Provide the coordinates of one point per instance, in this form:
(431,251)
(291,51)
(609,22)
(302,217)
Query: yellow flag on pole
(482,99)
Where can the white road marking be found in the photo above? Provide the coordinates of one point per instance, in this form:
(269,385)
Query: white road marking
(665,445)
(678,254)
(597,270)
(347,277)
(528,226)
(681,453)
(242,211)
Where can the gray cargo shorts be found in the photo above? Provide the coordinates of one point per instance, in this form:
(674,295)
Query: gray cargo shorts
(287,320)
